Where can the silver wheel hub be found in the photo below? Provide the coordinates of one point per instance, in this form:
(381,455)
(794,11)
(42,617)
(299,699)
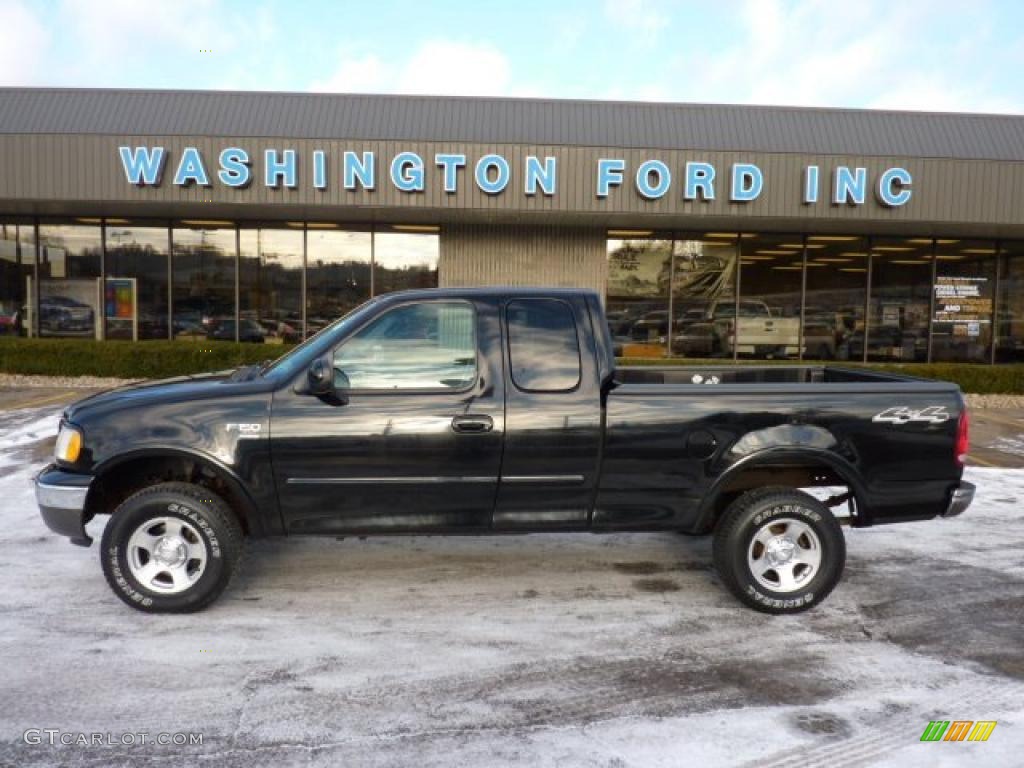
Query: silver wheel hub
(784,555)
(167,554)
(170,551)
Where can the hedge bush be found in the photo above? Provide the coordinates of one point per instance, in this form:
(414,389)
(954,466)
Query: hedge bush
(125,359)
(159,359)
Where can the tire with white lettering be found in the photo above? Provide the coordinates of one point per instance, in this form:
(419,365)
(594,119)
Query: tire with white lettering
(171,548)
(779,550)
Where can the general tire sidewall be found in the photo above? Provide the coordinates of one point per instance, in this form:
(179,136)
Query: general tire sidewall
(115,552)
(833,554)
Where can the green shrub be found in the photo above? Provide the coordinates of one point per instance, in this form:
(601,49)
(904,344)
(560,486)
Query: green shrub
(159,359)
(127,360)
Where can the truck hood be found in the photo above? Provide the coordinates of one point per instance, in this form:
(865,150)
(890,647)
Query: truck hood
(177,389)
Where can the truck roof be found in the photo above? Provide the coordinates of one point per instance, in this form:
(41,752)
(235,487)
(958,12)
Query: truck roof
(491,291)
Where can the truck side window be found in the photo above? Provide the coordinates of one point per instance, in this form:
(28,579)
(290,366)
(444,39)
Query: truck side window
(429,345)
(543,346)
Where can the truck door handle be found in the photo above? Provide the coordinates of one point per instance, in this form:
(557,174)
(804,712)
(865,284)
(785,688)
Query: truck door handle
(472,424)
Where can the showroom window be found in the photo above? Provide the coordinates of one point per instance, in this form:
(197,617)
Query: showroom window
(901,277)
(836,294)
(965,272)
(771,279)
(70,295)
(135,294)
(404,260)
(704,294)
(1010,303)
(337,273)
(637,305)
(269,286)
(203,266)
(17,277)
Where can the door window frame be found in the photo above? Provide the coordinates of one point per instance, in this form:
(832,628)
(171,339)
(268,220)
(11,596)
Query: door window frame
(417,390)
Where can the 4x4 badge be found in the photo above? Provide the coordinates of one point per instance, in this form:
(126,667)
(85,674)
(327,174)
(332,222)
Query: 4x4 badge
(933,414)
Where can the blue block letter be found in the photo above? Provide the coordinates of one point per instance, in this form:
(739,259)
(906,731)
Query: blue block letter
(609,174)
(234,168)
(276,171)
(451,165)
(747,182)
(894,187)
(700,177)
(850,187)
(483,174)
(407,172)
(142,166)
(643,179)
(191,169)
(541,175)
(356,169)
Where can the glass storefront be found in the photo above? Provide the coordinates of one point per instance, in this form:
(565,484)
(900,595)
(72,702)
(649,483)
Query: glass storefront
(70,295)
(135,294)
(269,287)
(338,264)
(718,295)
(815,297)
(17,272)
(204,263)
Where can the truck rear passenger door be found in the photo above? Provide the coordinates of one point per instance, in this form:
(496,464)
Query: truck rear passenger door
(552,415)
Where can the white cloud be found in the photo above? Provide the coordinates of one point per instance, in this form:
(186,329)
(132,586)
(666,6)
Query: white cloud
(637,15)
(870,53)
(437,67)
(23,44)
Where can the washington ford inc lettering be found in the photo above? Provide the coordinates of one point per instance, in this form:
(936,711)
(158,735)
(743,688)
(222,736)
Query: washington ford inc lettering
(492,174)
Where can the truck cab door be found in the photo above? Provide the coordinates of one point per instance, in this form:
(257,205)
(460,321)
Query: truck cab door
(413,440)
(552,415)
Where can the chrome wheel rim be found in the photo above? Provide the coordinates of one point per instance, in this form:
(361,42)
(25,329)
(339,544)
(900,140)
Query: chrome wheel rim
(166,555)
(784,555)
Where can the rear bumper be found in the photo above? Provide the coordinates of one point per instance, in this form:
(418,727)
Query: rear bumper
(960,499)
(61,498)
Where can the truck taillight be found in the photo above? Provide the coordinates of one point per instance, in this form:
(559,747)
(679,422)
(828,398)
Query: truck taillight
(962,437)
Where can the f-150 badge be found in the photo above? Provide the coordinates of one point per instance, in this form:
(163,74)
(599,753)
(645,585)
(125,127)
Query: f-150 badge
(933,414)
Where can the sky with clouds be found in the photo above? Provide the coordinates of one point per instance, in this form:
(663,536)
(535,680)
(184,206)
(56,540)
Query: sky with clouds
(910,54)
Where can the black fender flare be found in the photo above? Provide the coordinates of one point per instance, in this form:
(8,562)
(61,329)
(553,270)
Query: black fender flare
(249,511)
(793,455)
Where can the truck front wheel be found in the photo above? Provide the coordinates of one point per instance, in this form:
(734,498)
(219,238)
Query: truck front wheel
(171,548)
(779,550)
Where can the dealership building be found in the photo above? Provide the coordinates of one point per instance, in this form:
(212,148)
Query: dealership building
(723,231)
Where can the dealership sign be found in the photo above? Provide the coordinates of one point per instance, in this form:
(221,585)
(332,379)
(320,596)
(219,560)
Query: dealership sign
(652,179)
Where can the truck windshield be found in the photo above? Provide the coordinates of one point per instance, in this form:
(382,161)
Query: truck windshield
(284,362)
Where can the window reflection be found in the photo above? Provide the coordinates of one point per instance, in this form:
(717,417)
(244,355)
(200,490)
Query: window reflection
(338,274)
(17,261)
(404,261)
(964,292)
(901,275)
(70,297)
(771,276)
(1010,304)
(639,274)
(429,345)
(703,295)
(544,349)
(135,295)
(270,287)
(837,283)
(203,290)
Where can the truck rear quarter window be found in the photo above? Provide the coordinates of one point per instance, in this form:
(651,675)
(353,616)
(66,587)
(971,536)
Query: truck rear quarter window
(544,349)
(427,345)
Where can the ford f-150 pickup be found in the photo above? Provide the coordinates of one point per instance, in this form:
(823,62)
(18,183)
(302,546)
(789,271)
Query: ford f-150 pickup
(492,411)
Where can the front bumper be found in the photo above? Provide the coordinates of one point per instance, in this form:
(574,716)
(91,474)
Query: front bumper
(960,499)
(61,497)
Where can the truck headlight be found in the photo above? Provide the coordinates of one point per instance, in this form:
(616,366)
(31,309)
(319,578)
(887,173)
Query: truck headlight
(69,444)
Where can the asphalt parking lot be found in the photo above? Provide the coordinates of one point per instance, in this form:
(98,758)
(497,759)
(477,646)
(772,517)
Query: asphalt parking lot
(567,649)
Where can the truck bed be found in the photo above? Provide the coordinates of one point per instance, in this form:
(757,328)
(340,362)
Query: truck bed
(702,375)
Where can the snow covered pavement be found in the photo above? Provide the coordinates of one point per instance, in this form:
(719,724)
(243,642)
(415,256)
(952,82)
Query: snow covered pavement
(559,649)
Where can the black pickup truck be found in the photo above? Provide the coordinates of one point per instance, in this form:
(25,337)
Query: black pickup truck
(499,411)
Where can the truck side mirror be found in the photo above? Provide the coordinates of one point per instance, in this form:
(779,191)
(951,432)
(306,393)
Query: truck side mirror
(320,377)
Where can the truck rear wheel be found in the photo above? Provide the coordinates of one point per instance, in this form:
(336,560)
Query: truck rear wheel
(779,550)
(171,548)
